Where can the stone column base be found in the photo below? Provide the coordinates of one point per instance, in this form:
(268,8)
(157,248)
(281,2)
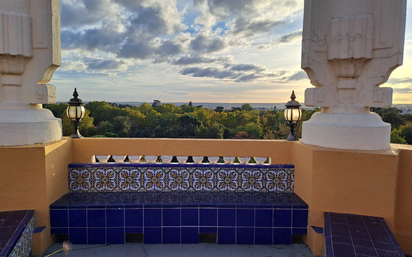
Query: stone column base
(347,131)
(28,126)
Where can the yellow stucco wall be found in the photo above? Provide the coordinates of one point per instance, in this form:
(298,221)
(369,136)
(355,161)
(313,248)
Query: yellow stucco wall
(403,211)
(32,177)
(357,182)
(278,150)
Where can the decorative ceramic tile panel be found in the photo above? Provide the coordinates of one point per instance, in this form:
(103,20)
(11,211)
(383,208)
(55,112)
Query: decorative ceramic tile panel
(180,177)
(16,237)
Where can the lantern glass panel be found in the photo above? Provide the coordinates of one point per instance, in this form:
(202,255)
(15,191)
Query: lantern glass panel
(293,115)
(75,112)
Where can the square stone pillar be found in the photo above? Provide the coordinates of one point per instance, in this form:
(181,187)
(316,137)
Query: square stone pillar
(29,55)
(349,49)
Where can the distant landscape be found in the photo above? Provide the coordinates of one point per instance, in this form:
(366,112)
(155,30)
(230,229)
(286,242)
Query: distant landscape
(257,106)
(207,120)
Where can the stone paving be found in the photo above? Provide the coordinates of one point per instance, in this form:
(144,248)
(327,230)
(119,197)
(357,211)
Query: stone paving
(195,250)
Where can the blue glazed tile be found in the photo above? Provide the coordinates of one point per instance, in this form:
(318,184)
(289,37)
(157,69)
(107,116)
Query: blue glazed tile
(133,217)
(77,218)
(245,236)
(365,250)
(78,235)
(115,217)
(208,230)
(318,230)
(39,229)
(299,231)
(115,235)
(282,236)
(171,217)
(208,217)
(96,218)
(152,235)
(226,217)
(152,217)
(300,218)
(245,217)
(190,235)
(226,236)
(59,218)
(263,236)
(133,230)
(59,231)
(385,246)
(383,253)
(264,218)
(171,235)
(343,250)
(96,236)
(190,217)
(283,218)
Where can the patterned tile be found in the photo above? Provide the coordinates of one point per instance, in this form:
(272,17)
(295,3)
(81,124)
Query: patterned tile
(130,179)
(203,179)
(252,180)
(154,179)
(105,179)
(178,179)
(227,179)
(181,177)
(80,179)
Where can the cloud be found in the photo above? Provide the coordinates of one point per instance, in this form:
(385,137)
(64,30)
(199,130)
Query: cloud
(298,76)
(209,72)
(399,80)
(248,18)
(249,28)
(246,67)
(187,60)
(106,65)
(290,37)
(91,39)
(403,90)
(77,13)
(207,43)
(237,73)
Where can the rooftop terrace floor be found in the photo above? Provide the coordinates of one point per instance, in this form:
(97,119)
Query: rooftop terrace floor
(195,250)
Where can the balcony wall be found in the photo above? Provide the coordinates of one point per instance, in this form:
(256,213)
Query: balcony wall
(278,150)
(367,183)
(31,178)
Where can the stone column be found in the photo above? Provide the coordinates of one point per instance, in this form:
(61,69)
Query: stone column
(349,49)
(29,55)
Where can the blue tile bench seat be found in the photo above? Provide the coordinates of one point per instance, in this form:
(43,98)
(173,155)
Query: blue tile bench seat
(349,235)
(179,217)
(16,230)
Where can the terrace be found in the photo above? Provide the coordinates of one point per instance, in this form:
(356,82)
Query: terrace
(341,176)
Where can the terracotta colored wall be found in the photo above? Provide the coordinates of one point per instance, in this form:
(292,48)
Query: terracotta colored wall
(403,213)
(357,182)
(32,177)
(278,150)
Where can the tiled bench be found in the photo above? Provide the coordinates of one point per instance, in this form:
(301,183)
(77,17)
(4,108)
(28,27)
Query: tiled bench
(348,235)
(179,217)
(16,230)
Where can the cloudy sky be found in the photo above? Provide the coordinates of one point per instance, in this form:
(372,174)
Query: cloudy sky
(245,51)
